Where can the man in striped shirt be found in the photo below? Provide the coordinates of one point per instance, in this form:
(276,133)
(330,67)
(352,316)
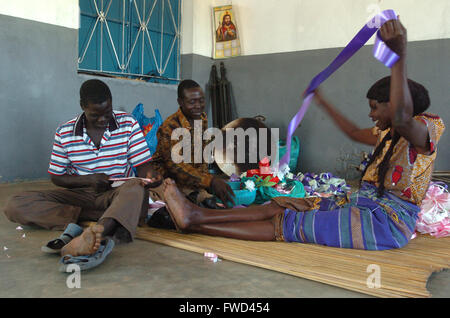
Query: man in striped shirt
(88,151)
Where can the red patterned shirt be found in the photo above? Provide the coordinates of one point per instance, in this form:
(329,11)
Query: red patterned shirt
(186,174)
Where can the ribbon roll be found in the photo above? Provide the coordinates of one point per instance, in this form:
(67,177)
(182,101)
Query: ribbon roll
(380,51)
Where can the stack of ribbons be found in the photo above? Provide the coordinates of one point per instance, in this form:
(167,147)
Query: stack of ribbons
(322,184)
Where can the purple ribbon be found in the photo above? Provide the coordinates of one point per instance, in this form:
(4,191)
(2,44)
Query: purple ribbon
(380,51)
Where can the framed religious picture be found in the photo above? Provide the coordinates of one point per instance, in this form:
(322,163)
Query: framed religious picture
(226,35)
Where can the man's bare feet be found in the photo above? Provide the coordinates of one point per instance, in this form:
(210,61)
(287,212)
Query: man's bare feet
(85,244)
(181,210)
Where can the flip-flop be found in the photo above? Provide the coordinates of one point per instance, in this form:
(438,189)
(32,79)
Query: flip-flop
(88,261)
(54,246)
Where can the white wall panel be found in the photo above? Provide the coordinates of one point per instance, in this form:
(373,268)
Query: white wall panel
(58,12)
(275,26)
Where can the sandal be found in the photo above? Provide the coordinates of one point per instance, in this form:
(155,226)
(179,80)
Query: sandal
(54,246)
(87,261)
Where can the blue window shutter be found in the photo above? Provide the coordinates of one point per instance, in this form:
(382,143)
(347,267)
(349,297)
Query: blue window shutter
(131,38)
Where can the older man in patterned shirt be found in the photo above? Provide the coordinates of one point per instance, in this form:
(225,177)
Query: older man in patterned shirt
(192,177)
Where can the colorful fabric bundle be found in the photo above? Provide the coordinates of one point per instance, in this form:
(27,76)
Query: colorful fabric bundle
(434,215)
(361,221)
(291,188)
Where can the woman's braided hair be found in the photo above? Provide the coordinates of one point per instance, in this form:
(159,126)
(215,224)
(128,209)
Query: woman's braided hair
(380,91)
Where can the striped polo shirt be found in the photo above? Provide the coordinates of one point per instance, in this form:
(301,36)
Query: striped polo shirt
(122,147)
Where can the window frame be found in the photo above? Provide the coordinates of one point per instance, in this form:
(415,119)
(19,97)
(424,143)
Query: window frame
(136,15)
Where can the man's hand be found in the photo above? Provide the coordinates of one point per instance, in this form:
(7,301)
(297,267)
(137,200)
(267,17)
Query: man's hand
(394,35)
(155,179)
(100,182)
(222,190)
(148,172)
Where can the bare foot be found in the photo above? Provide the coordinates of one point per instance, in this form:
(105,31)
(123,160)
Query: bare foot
(85,244)
(179,207)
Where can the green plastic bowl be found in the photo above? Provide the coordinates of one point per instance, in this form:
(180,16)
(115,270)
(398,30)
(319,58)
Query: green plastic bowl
(235,185)
(242,197)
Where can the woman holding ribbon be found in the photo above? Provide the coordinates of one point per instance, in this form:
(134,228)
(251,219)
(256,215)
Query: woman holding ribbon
(382,214)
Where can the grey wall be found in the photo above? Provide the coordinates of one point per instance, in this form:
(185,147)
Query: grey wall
(271,85)
(39,89)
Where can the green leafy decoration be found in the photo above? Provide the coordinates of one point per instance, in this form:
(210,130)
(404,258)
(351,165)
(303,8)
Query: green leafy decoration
(264,183)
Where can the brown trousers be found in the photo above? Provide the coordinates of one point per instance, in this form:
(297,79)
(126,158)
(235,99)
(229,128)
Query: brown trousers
(55,209)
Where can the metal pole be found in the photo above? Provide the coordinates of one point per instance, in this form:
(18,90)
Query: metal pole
(162,36)
(143,39)
(123,35)
(130,33)
(178,41)
(101,40)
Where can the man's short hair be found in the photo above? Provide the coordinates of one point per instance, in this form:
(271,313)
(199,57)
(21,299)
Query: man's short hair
(186,84)
(94,91)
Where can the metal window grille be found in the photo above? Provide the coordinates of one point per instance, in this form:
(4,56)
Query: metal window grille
(130,38)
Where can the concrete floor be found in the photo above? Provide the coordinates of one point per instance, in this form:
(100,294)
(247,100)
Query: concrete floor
(144,269)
